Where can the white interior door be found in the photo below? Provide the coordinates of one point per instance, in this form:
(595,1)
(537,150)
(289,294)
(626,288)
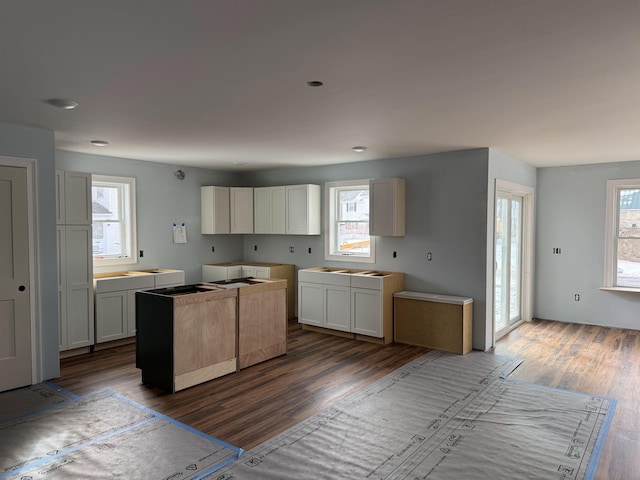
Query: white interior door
(15,316)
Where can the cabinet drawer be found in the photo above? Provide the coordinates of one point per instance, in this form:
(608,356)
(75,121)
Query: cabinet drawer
(373,282)
(325,278)
(124,282)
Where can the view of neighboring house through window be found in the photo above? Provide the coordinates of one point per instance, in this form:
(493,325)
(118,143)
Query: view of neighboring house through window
(347,229)
(623,245)
(113,206)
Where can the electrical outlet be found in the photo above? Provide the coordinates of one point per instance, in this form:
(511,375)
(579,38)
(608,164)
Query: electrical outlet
(429,256)
(395,254)
(309,249)
(141,253)
(291,250)
(213,249)
(576,297)
(255,248)
(557,250)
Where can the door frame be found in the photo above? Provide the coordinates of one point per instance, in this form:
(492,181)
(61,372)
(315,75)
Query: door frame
(528,217)
(34,286)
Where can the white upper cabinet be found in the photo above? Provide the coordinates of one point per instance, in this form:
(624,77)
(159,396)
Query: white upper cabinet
(73,198)
(215,209)
(269,210)
(302,209)
(241,209)
(386,207)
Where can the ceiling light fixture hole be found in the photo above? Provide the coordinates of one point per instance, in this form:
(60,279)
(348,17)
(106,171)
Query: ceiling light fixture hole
(315,83)
(359,149)
(100,143)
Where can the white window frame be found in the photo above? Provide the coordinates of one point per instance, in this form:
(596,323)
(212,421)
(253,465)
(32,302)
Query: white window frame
(331,205)
(611,226)
(128,185)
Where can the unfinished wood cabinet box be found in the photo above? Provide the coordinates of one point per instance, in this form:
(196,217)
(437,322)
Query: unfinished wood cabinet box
(262,322)
(186,338)
(441,322)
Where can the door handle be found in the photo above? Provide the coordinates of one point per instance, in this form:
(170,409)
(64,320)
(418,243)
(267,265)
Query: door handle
(22,288)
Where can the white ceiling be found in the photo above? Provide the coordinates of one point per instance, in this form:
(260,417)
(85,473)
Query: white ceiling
(211,82)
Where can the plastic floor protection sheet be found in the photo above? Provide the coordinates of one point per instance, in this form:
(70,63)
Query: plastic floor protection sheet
(443,417)
(104,435)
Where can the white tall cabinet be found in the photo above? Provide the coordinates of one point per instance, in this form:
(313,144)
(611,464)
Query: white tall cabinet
(75,260)
(214,209)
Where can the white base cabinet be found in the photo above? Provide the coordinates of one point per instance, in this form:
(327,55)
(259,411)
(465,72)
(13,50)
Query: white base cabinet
(115,299)
(356,301)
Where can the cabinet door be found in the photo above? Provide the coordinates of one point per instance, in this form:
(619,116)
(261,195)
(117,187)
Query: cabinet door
(386,207)
(77,198)
(302,209)
(269,210)
(262,210)
(278,210)
(213,273)
(111,316)
(241,201)
(337,307)
(366,312)
(62,288)
(262,272)
(79,286)
(60,214)
(310,303)
(214,209)
(131,314)
(234,271)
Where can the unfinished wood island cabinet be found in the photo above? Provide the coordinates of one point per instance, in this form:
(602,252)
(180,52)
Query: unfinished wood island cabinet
(262,321)
(186,335)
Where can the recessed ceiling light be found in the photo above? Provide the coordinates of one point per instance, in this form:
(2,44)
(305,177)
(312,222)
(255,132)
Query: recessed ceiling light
(62,103)
(359,149)
(240,164)
(100,143)
(315,83)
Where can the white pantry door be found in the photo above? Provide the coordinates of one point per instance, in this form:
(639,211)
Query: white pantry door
(15,317)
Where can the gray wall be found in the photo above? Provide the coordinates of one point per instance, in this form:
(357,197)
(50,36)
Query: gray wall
(38,144)
(571,215)
(162,200)
(445,215)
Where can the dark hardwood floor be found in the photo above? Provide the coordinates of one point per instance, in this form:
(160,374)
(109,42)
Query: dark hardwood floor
(253,405)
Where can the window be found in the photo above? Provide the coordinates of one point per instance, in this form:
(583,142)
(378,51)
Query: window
(622,265)
(114,220)
(347,222)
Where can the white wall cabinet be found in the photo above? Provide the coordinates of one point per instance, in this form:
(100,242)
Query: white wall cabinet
(75,260)
(289,210)
(269,210)
(241,209)
(302,209)
(387,207)
(214,210)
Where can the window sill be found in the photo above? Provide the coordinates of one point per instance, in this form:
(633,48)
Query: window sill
(621,289)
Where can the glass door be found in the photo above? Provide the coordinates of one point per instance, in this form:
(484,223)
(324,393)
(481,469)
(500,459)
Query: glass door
(508,262)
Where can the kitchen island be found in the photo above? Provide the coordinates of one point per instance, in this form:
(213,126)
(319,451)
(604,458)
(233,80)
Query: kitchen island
(192,334)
